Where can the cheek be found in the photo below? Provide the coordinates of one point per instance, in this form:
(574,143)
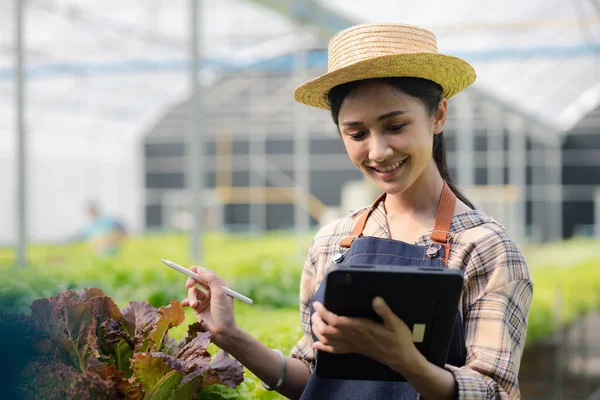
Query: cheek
(415,144)
(355,150)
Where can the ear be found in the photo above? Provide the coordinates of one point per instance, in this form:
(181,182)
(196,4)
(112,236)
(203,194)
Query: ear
(439,117)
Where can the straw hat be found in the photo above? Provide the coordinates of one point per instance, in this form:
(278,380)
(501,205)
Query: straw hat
(385,50)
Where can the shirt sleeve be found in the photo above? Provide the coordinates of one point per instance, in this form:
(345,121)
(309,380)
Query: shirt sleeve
(496,304)
(303,349)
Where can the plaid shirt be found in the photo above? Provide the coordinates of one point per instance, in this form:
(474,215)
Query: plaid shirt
(494,305)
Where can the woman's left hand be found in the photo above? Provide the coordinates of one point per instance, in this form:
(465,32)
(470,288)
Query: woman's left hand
(390,343)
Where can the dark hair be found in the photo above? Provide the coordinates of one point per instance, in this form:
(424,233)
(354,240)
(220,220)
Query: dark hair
(427,92)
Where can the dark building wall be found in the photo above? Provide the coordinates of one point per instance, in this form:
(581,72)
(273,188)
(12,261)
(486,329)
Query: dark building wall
(326,185)
(583,170)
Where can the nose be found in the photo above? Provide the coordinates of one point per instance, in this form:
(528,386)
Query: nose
(379,148)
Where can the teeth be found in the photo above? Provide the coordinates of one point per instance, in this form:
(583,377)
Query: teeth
(391,167)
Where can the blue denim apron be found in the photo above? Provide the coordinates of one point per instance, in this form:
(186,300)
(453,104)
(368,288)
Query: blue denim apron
(372,250)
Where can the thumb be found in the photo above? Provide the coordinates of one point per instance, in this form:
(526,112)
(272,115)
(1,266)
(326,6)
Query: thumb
(390,320)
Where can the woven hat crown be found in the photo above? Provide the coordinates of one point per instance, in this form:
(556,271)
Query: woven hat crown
(383,50)
(363,42)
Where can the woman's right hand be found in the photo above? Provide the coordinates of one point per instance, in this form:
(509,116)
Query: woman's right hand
(213,307)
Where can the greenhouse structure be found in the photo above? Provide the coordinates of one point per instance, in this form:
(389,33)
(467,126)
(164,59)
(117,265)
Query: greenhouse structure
(107,114)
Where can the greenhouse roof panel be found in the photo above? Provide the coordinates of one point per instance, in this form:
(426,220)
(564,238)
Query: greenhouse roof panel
(121,61)
(540,56)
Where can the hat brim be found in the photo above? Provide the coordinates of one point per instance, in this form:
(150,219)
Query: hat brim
(452,73)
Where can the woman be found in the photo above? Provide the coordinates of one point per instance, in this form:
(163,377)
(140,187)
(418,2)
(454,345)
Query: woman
(387,88)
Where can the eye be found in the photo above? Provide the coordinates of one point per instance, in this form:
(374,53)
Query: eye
(396,127)
(358,136)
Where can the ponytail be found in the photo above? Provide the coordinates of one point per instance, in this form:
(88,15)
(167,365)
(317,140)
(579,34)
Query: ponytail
(439,156)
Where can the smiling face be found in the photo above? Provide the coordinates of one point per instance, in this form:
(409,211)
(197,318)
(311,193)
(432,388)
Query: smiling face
(389,135)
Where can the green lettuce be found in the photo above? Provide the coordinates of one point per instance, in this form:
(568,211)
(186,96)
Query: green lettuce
(89,348)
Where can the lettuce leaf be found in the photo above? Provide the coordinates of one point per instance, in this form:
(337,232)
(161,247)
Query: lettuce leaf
(192,332)
(159,374)
(117,345)
(224,370)
(104,308)
(169,316)
(57,381)
(71,326)
(122,354)
(164,376)
(116,380)
(194,351)
(86,294)
(170,346)
(139,319)
(191,385)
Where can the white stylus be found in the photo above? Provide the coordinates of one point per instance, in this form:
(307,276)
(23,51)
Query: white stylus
(192,275)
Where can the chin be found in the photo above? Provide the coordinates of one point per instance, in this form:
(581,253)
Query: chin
(391,187)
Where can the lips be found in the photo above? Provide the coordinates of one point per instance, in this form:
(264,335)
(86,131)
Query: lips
(390,167)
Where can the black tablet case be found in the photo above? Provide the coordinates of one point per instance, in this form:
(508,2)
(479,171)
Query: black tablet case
(418,295)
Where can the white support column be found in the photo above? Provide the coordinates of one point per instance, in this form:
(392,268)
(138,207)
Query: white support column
(538,186)
(495,145)
(597,213)
(21,139)
(517,177)
(258,166)
(301,158)
(302,12)
(553,191)
(465,142)
(195,154)
(495,164)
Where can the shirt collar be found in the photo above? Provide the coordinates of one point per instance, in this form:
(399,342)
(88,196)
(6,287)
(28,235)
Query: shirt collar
(377,224)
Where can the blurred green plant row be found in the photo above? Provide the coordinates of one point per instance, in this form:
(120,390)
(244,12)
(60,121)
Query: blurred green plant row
(267,269)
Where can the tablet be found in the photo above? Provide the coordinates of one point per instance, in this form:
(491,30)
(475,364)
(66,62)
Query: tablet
(425,298)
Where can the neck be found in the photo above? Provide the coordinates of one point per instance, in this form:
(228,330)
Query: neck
(420,199)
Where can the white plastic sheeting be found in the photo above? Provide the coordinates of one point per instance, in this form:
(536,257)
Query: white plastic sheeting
(99,72)
(540,56)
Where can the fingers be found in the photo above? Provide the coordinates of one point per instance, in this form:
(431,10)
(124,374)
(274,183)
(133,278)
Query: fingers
(338,334)
(320,329)
(192,297)
(324,347)
(192,282)
(390,320)
(208,277)
(327,316)
(203,304)
(210,280)
(201,291)
(197,298)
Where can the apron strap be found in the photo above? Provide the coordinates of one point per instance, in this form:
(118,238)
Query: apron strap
(357,231)
(443,221)
(441,230)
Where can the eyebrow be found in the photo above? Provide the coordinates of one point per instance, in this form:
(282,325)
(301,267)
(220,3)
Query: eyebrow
(380,118)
